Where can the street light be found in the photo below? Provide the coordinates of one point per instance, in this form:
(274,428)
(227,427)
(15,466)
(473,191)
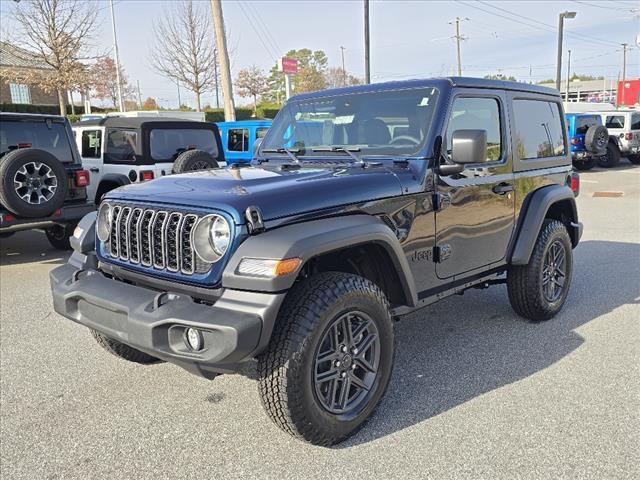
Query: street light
(562,16)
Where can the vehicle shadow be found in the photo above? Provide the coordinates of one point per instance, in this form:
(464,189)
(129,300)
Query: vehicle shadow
(29,246)
(465,346)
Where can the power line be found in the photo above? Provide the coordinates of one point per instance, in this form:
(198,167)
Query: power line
(546,24)
(266,30)
(257,32)
(603,7)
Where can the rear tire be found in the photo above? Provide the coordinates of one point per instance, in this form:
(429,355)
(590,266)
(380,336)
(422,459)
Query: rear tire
(194,160)
(121,350)
(534,289)
(59,236)
(586,164)
(612,158)
(334,333)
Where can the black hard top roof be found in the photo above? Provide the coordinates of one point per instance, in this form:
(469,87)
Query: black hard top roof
(136,122)
(29,116)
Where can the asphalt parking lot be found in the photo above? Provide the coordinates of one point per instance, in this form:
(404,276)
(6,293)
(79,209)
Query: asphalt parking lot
(476,391)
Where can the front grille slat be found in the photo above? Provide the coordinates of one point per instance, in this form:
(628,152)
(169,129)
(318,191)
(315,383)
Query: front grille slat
(156,239)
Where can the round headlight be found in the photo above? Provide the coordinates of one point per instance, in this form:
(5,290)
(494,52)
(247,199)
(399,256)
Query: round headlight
(220,235)
(105,219)
(211,237)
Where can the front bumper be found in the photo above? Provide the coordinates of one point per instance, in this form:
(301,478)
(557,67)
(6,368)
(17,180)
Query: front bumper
(234,329)
(66,214)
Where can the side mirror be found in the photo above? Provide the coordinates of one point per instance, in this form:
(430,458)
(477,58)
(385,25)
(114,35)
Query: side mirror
(469,146)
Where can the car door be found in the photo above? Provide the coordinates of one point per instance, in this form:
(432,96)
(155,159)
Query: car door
(89,142)
(475,214)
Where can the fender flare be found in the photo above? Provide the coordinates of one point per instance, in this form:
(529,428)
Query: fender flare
(535,208)
(308,240)
(118,178)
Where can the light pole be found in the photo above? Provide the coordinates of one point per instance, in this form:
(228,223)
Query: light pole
(568,74)
(117,58)
(367,59)
(561,18)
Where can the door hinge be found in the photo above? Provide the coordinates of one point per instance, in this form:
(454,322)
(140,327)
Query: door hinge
(441,252)
(441,200)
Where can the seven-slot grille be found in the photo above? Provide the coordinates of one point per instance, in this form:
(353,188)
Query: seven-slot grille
(154,238)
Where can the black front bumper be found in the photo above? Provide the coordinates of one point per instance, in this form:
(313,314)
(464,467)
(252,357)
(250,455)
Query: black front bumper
(66,214)
(234,329)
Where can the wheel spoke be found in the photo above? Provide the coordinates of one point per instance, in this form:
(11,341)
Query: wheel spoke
(327,355)
(330,374)
(358,383)
(365,365)
(362,327)
(345,386)
(365,344)
(347,337)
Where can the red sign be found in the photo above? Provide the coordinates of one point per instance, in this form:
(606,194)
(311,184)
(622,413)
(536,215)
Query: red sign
(289,66)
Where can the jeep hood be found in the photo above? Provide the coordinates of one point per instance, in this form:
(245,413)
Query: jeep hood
(276,192)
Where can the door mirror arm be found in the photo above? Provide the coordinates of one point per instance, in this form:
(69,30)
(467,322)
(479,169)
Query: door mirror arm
(444,169)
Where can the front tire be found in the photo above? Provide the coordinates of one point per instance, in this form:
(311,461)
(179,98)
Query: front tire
(121,350)
(330,358)
(538,290)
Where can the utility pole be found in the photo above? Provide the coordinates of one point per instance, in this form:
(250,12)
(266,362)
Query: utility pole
(561,18)
(179,101)
(458,38)
(221,43)
(624,61)
(139,95)
(215,73)
(568,75)
(344,72)
(117,58)
(367,66)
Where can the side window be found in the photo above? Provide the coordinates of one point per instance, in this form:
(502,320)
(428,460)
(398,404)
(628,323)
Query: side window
(635,121)
(121,145)
(616,121)
(261,132)
(584,123)
(470,113)
(91,143)
(539,131)
(238,140)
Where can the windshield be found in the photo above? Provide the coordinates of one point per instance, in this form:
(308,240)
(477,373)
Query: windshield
(393,122)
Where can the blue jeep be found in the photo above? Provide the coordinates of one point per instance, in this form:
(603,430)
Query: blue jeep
(588,139)
(361,205)
(238,138)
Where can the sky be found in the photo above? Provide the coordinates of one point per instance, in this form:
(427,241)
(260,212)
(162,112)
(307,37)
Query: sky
(409,39)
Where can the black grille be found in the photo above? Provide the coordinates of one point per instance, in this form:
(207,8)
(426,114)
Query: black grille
(157,239)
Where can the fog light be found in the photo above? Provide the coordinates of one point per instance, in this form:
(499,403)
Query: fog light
(194,339)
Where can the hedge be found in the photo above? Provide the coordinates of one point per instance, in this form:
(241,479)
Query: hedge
(217,114)
(44,109)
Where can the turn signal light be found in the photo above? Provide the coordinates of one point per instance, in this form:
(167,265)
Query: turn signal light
(575,141)
(267,268)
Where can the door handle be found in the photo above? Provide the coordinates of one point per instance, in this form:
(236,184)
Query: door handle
(94,170)
(502,188)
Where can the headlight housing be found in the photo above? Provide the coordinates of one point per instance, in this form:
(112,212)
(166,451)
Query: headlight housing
(211,238)
(104,222)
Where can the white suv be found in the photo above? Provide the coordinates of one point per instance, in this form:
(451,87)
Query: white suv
(119,150)
(624,133)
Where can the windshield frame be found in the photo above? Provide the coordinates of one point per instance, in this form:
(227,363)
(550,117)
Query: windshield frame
(307,152)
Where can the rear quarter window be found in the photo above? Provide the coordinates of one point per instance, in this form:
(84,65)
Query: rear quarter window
(167,143)
(51,137)
(121,145)
(538,127)
(635,121)
(614,121)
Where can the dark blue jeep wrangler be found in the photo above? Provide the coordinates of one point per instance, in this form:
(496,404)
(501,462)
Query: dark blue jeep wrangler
(588,139)
(362,205)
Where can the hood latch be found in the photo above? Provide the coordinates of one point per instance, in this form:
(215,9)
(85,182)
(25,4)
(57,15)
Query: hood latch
(255,224)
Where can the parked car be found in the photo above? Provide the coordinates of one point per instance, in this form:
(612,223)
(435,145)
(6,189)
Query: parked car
(118,151)
(304,260)
(42,183)
(589,139)
(624,134)
(239,138)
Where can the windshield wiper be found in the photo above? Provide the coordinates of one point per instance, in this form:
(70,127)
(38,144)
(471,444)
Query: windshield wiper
(291,152)
(348,150)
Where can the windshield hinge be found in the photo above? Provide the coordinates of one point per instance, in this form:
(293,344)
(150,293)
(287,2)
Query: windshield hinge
(255,224)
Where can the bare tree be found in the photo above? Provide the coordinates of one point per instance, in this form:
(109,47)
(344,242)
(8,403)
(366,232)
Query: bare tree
(252,82)
(57,33)
(184,49)
(336,77)
(105,82)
